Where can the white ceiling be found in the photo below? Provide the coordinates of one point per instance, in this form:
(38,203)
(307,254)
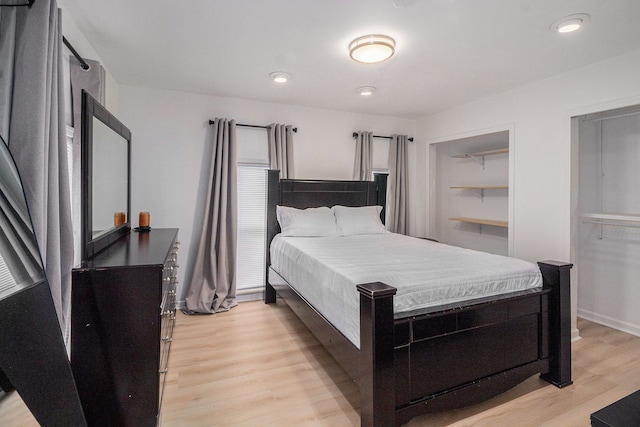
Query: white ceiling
(449,52)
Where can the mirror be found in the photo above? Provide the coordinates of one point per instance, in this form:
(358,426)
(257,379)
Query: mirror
(106,172)
(33,356)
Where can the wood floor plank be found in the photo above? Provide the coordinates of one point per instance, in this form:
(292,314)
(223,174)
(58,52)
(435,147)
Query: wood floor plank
(258,365)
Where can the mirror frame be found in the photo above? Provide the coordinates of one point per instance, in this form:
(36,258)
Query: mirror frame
(33,356)
(92,108)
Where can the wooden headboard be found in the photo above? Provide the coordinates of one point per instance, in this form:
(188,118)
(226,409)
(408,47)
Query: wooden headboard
(304,193)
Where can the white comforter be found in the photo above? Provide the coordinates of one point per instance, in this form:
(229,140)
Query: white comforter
(325,270)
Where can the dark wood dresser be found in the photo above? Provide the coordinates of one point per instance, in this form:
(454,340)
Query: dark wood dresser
(122,318)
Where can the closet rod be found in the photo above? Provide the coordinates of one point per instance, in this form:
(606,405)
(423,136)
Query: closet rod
(615,220)
(614,224)
(355,135)
(75,53)
(254,126)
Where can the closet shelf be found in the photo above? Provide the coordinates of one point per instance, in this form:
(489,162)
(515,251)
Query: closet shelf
(492,222)
(480,187)
(616,220)
(481,153)
(612,217)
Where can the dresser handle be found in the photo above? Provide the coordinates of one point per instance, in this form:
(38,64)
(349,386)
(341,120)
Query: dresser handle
(163,371)
(167,339)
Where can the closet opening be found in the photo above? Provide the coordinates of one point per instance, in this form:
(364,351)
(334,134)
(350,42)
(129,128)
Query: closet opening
(469,192)
(606,218)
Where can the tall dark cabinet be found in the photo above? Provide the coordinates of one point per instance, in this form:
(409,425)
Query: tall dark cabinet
(123,313)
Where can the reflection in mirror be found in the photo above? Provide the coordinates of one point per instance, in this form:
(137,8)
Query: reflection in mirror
(106,166)
(110,178)
(20,264)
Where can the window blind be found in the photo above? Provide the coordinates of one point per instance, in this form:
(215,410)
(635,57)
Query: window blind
(250,259)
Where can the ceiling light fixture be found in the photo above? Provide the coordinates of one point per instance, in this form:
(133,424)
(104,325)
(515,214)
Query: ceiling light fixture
(372,48)
(366,90)
(569,23)
(280,77)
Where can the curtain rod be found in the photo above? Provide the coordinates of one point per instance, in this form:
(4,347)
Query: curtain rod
(28,3)
(75,53)
(253,126)
(355,135)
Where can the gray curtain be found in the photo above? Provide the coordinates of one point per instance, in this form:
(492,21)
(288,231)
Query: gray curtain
(213,282)
(397,218)
(280,139)
(92,81)
(363,164)
(33,123)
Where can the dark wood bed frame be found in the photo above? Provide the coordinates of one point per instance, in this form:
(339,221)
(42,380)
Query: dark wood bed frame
(439,358)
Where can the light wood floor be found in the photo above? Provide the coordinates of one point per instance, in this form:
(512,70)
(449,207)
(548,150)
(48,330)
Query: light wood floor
(258,365)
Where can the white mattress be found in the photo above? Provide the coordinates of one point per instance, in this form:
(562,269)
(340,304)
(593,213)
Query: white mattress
(325,271)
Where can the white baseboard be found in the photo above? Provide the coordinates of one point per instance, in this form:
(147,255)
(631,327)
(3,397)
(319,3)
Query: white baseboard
(575,335)
(610,322)
(253,296)
(240,297)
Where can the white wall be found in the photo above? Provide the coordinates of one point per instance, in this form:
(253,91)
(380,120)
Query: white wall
(171,142)
(80,43)
(540,115)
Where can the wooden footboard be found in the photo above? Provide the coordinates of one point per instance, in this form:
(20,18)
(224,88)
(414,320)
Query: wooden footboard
(458,356)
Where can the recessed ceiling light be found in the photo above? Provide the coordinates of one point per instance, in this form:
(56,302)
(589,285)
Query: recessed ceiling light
(280,77)
(569,23)
(372,48)
(366,90)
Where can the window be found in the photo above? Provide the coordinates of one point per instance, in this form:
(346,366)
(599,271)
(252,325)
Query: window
(377,171)
(252,206)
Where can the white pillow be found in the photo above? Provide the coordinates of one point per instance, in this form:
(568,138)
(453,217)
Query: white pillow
(306,222)
(360,220)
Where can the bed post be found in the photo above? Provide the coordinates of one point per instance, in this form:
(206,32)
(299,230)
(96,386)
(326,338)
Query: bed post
(377,378)
(556,277)
(273,198)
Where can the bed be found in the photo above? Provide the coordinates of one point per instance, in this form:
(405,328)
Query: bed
(432,358)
